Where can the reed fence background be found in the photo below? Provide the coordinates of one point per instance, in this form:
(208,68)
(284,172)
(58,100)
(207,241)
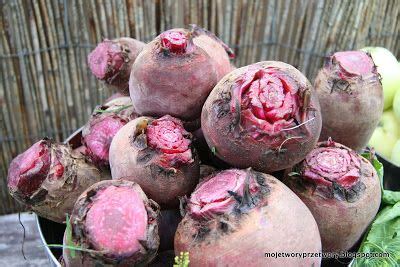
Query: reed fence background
(47,90)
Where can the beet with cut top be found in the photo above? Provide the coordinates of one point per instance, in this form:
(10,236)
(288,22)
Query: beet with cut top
(235,217)
(111,61)
(49,177)
(115,224)
(104,123)
(351,98)
(176,71)
(342,190)
(158,155)
(263,116)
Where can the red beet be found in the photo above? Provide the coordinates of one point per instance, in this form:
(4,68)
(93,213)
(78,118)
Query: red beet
(48,178)
(236,216)
(263,116)
(342,190)
(176,71)
(351,98)
(158,155)
(117,223)
(111,61)
(105,122)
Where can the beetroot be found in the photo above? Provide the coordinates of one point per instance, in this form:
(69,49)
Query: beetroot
(158,155)
(351,98)
(48,178)
(236,216)
(263,116)
(341,189)
(105,122)
(115,223)
(176,71)
(111,61)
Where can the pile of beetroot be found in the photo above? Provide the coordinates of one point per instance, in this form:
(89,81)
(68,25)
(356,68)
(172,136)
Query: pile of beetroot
(195,156)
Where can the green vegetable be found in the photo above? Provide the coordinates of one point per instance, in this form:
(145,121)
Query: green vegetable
(389,70)
(70,244)
(68,233)
(116,110)
(383,236)
(182,260)
(384,232)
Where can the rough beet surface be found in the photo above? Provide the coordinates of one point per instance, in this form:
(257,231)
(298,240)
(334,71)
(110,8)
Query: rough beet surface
(263,116)
(118,222)
(351,98)
(105,122)
(158,155)
(341,189)
(49,177)
(111,61)
(236,216)
(176,71)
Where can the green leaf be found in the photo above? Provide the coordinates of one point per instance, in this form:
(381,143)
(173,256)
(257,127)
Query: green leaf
(214,150)
(182,260)
(390,197)
(68,233)
(293,174)
(383,236)
(116,110)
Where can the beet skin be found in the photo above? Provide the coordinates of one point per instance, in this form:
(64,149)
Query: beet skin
(236,216)
(49,177)
(342,190)
(176,71)
(104,123)
(115,223)
(263,116)
(158,155)
(111,61)
(351,98)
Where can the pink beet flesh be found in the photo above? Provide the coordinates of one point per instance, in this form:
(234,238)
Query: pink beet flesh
(213,197)
(29,169)
(106,60)
(268,101)
(99,139)
(354,62)
(169,137)
(330,163)
(116,221)
(175,41)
